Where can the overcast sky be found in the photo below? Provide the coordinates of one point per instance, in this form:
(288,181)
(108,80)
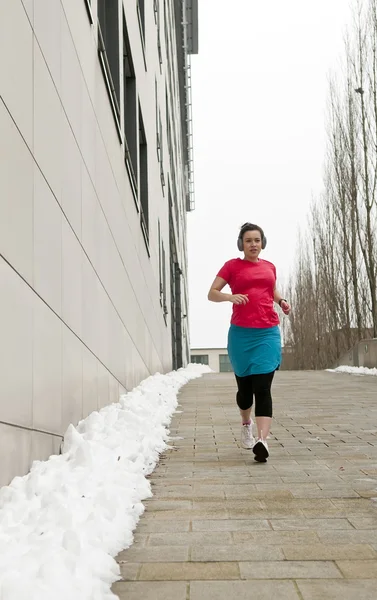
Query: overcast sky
(260,90)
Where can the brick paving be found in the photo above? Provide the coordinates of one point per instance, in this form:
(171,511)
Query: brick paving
(302,526)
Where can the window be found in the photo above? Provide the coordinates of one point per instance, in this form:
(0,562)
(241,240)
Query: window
(159,49)
(164,305)
(161,153)
(171,154)
(143,179)
(88,4)
(200,359)
(141,16)
(162,273)
(158,140)
(166,30)
(156,10)
(157,21)
(108,50)
(224,364)
(130,112)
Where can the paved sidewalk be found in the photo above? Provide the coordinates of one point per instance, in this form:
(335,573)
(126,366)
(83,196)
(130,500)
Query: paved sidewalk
(303,526)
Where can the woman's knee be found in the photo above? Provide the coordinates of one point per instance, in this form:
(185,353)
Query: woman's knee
(244,395)
(263,405)
(263,398)
(244,402)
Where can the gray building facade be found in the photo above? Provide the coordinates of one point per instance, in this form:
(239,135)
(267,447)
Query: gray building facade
(96,177)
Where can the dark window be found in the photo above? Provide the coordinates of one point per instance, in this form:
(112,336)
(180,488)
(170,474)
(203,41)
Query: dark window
(130,110)
(224,364)
(164,305)
(108,48)
(200,359)
(161,153)
(166,29)
(158,141)
(141,15)
(171,153)
(160,272)
(159,48)
(88,4)
(157,20)
(143,179)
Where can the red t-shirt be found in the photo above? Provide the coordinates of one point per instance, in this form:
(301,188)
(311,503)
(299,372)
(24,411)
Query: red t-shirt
(257,281)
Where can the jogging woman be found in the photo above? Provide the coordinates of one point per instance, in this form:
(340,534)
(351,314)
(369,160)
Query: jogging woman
(254,342)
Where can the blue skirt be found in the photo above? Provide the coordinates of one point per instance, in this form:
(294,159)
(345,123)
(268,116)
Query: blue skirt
(253,351)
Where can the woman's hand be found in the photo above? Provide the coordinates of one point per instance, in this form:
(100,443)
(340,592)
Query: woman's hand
(285,307)
(238,299)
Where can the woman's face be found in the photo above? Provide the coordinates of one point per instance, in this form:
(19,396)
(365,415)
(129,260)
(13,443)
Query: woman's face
(252,244)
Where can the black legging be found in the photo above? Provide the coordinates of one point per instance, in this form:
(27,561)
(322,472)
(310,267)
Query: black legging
(258,386)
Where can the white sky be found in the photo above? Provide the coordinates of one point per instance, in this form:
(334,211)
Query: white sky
(260,89)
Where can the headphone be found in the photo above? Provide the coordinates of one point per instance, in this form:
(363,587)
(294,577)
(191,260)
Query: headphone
(249,227)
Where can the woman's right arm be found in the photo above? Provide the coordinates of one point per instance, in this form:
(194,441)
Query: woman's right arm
(216,295)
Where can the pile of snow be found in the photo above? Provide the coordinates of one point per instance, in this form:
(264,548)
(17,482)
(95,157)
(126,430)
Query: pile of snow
(61,524)
(354,370)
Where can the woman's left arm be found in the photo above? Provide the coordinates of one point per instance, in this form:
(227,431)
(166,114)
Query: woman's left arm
(285,307)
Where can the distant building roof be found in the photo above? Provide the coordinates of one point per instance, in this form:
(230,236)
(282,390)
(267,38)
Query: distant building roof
(207,348)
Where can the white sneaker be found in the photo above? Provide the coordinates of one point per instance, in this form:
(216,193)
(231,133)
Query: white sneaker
(247,438)
(260,450)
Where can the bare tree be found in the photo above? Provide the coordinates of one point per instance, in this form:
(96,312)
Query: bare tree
(334,285)
(365,69)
